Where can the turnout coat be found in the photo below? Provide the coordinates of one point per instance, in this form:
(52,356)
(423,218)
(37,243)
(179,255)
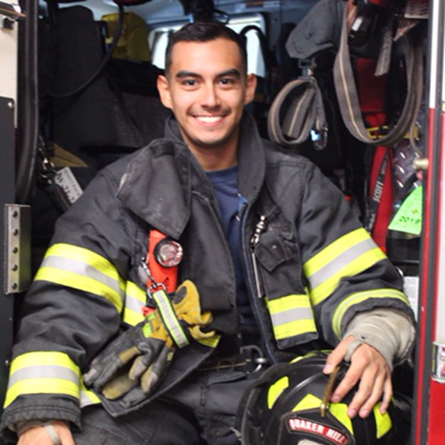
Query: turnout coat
(316,267)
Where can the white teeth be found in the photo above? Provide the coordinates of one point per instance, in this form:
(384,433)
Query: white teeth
(209,119)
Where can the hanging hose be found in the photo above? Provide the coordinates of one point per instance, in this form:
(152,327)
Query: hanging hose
(105,60)
(28,106)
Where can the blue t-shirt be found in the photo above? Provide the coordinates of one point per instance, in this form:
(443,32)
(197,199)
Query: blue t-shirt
(225,184)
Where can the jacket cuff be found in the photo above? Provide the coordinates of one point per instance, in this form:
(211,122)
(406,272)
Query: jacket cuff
(37,408)
(389,331)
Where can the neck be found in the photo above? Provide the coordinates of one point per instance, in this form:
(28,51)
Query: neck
(215,157)
(212,160)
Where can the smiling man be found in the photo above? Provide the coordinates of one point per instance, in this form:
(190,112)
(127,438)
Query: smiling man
(275,260)
(206,87)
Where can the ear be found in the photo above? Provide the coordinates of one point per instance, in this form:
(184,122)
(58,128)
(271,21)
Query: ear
(251,83)
(164,91)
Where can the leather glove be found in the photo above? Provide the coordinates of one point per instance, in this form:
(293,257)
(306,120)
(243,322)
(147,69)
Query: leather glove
(143,353)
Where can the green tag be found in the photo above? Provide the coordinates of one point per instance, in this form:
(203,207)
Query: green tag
(408,218)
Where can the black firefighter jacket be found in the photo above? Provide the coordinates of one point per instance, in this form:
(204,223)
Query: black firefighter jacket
(317,267)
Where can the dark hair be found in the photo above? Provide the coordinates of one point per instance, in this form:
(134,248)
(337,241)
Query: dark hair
(204,32)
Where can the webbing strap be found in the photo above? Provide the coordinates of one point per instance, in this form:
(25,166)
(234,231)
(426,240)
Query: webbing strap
(347,91)
(305,113)
(376,193)
(380,210)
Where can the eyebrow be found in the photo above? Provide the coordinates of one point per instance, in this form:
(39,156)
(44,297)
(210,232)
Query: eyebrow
(230,72)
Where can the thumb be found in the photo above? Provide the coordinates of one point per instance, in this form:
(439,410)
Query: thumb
(337,355)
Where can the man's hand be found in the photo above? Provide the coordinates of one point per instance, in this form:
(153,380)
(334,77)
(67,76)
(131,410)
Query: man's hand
(370,368)
(38,435)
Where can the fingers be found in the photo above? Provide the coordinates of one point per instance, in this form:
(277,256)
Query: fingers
(141,364)
(118,386)
(337,355)
(373,384)
(153,375)
(369,369)
(102,372)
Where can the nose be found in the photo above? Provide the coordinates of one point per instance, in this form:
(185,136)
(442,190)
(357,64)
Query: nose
(210,97)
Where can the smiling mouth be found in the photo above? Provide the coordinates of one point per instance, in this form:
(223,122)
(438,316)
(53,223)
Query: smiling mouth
(209,119)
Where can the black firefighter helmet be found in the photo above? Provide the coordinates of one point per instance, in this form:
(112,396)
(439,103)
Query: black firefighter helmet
(286,406)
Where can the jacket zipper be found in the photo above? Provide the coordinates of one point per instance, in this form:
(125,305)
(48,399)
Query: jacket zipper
(261,225)
(253,277)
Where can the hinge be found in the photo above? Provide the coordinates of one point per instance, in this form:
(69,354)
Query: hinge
(18,248)
(438,362)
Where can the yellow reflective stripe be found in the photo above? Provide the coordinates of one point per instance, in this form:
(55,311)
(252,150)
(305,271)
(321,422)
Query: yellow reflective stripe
(43,358)
(47,372)
(41,386)
(359,297)
(331,252)
(131,317)
(80,282)
(307,402)
(135,300)
(275,390)
(340,411)
(293,328)
(87,397)
(302,357)
(288,302)
(291,315)
(346,256)
(382,421)
(83,255)
(363,262)
(84,270)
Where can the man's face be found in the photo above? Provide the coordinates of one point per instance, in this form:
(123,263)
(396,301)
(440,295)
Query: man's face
(206,87)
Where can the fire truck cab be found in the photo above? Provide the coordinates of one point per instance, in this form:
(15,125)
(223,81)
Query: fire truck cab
(78,91)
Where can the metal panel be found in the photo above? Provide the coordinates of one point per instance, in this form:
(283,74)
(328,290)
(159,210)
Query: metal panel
(8,58)
(7,195)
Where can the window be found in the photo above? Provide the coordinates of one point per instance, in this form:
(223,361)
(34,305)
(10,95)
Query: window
(158,39)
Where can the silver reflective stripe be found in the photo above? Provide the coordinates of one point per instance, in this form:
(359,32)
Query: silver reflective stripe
(85,400)
(290,315)
(87,396)
(340,261)
(169,318)
(133,304)
(46,372)
(84,269)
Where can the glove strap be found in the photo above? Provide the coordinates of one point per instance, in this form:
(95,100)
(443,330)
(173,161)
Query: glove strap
(169,318)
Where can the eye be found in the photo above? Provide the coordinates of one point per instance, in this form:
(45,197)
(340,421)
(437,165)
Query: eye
(227,81)
(189,82)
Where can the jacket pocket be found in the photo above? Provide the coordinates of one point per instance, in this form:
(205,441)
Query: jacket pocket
(281,267)
(286,298)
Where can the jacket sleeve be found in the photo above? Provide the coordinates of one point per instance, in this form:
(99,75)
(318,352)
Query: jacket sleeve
(72,309)
(346,272)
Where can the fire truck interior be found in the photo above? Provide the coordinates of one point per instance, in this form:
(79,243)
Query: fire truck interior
(352,101)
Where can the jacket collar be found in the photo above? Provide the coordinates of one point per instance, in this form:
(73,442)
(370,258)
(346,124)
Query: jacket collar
(251,156)
(159,180)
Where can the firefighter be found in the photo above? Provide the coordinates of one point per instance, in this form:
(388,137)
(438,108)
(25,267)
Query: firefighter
(274,263)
